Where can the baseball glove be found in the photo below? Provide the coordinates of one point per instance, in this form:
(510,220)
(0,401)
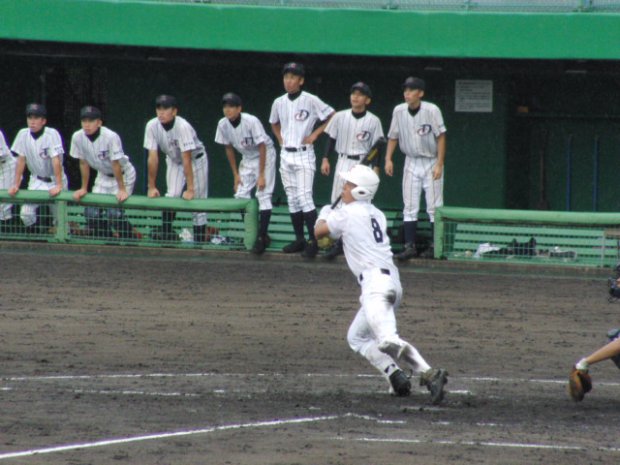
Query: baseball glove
(325,242)
(579,382)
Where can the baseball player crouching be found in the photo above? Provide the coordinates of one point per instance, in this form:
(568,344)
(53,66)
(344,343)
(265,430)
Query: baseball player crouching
(245,133)
(373,332)
(352,133)
(40,148)
(98,147)
(187,165)
(7,179)
(293,119)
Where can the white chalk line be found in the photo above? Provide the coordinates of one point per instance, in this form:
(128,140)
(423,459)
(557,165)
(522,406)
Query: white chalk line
(166,435)
(508,445)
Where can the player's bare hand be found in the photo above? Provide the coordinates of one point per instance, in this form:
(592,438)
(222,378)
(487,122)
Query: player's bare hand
(78,194)
(389,168)
(188,194)
(325,167)
(54,191)
(260,183)
(122,195)
(13,190)
(437,171)
(153,192)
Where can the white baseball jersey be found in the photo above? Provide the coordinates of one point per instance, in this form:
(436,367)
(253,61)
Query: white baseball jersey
(246,137)
(7,176)
(297,117)
(39,152)
(180,138)
(417,135)
(354,136)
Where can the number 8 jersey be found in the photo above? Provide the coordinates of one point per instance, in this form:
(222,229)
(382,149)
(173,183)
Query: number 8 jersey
(363,229)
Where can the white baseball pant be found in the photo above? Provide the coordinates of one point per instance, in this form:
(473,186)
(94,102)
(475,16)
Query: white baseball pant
(175,181)
(28,211)
(297,171)
(248,173)
(418,176)
(107,184)
(7,179)
(375,322)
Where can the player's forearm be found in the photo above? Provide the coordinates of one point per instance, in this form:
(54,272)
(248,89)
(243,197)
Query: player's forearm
(84,174)
(262,159)
(232,161)
(117,169)
(153,164)
(441,149)
(57,166)
(187,170)
(391,147)
(277,131)
(320,229)
(19,171)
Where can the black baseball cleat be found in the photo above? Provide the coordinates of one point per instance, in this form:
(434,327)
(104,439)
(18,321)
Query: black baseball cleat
(334,251)
(295,246)
(408,252)
(262,242)
(435,379)
(401,386)
(311,249)
(428,253)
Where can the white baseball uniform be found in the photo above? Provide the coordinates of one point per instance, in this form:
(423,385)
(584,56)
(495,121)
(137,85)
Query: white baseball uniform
(7,176)
(100,154)
(297,119)
(180,138)
(39,153)
(363,228)
(246,138)
(417,138)
(354,137)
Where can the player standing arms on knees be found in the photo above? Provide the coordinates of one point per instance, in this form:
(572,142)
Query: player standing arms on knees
(187,165)
(373,332)
(100,148)
(418,128)
(39,148)
(245,133)
(293,118)
(7,180)
(352,133)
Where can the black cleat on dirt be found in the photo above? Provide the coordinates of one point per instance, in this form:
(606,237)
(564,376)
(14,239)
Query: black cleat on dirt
(408,252)
(311,249)
(295,246)
(259,246)
(334,251)
(401,386)
(435,379)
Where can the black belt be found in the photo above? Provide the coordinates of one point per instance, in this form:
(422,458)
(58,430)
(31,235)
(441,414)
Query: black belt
(200,155)
(383,270)
(303,148)
(112,175)
(44,179)
(352,157)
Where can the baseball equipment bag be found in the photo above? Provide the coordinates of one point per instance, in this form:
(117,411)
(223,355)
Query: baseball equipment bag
(579,383)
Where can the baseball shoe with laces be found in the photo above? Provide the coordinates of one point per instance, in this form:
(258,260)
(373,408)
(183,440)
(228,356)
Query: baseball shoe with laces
(334,251)
(262,242)
(408,252)
(311,249)
(435,379)
(296,246)
(400,384)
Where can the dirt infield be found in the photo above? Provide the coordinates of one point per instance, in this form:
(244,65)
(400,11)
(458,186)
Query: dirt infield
(175,358)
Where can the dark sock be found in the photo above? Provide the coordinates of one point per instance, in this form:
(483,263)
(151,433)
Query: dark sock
(297,219)
(410,231)
(310,218)
(263,222)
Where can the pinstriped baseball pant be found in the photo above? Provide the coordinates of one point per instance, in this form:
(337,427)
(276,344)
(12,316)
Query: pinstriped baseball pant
(297,171)
(7,179)
(28,212)
(175,181)
(418,177)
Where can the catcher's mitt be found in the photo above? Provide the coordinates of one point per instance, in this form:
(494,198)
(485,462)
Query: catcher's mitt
(579,382)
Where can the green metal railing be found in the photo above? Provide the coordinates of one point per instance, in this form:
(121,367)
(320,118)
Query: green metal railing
(231,223)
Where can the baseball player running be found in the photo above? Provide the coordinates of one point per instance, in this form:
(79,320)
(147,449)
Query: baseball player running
(7,180)
(40,148)
(245,133)
(352,133)
(98,147)
(187,165)
(293,118)
(373,332)
(418,128)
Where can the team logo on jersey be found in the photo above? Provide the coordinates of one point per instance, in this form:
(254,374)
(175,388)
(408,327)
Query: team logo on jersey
(302,115)
(103,154)
(247,141)
(424,130)
(173,143)
(363,136)
(44,153)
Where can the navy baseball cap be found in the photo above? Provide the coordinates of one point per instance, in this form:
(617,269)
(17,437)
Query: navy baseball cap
(90,112)
(166,101)
(362,87)
(36,109)
(414,83)
(231,99)
(295,68)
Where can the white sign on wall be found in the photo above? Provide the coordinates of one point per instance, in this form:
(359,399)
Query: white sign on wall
(473,96)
